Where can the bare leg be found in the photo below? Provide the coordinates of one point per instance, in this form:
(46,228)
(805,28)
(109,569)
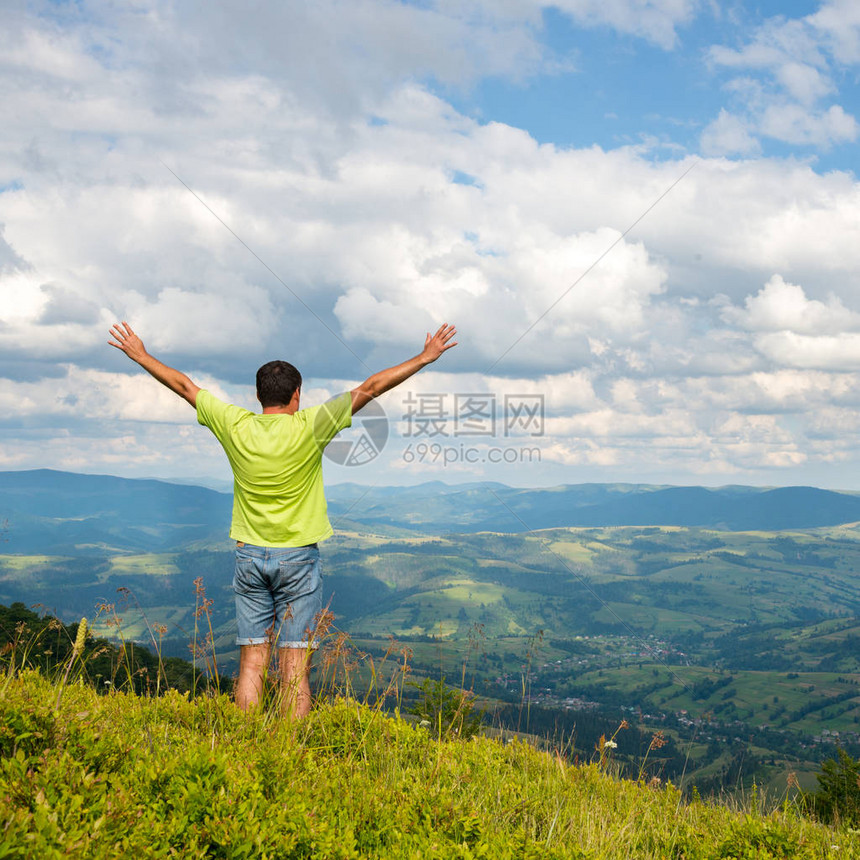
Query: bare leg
(253,665)
(295,666)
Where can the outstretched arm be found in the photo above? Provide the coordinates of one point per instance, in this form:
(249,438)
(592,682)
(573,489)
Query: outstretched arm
(385,380)
(126,340)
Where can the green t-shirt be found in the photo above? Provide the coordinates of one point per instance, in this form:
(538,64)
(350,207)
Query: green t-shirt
(278,497)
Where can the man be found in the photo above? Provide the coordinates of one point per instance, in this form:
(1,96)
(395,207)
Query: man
(279,509)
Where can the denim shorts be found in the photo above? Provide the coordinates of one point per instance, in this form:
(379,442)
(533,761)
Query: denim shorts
(278,595)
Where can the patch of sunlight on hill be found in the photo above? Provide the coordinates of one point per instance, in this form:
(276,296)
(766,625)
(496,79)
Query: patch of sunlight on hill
(137,626)
(468,593)
(146,563)
(444,628)
(577,552)
(359,538)
(833,631)
(647,618)
(25,563)
(848,531)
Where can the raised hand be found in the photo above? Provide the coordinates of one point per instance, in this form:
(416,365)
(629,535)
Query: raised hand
(436,344)
(385,380)
(127,341)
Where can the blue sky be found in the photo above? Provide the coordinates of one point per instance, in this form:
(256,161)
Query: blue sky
(617,90)
(513,166)
(612,89)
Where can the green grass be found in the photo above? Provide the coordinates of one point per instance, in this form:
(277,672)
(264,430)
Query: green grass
(116,775)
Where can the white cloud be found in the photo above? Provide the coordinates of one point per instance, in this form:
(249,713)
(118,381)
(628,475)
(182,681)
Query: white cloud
(839,21)
(94,395)
(728,135)
(835,352)
(804,82)
(756,440)
(23,297)
(795,124)
(141,450)
(654,20)
(779,391)
(49,53)
(791,330)
(780,306)
(228,316)
(795,61)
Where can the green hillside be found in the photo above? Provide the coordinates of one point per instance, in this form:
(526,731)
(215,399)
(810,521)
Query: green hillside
(92,776)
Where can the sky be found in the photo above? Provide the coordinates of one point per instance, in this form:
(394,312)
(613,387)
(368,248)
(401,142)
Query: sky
(642,216)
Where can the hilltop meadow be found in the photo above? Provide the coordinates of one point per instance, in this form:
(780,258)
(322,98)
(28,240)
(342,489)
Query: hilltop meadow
(137,768)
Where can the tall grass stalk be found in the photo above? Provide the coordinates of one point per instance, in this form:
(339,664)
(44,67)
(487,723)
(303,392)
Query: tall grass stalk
(77,654)
(206,649)
(109,617)
(152,629)
(17,652)
(534,642)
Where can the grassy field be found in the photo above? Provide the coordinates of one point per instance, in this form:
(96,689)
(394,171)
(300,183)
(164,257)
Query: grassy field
(116,775)
(758,698)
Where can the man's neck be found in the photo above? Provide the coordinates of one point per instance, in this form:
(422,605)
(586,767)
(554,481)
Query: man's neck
(284,409)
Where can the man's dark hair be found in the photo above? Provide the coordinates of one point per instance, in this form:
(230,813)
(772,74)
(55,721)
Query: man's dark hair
(277,382)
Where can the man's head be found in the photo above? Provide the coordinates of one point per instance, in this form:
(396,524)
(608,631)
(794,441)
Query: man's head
(277,382)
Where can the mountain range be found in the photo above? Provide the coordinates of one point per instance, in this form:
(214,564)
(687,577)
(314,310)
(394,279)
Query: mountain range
(53,512)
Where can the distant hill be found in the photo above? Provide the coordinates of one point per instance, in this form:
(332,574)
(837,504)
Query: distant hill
(54,512)
(434,508)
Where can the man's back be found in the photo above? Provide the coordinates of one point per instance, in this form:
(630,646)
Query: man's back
(278,498)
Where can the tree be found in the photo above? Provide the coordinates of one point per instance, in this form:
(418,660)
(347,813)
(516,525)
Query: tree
(450,712)
(838,795)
